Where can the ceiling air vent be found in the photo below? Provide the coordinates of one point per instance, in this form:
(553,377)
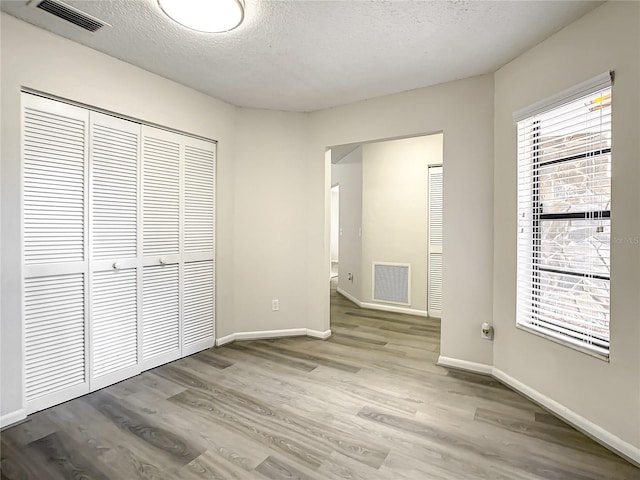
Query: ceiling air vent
(71,14)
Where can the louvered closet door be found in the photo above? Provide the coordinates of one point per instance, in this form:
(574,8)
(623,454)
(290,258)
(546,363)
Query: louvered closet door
(198,246)
(436,224)
(162,178)
(54,251)
(115,265)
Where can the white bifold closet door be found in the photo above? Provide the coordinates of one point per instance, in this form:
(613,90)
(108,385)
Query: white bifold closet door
(198,246)
(114,160)
(161,200)
(119,235)
(434,280)
(178,245)
(55,245)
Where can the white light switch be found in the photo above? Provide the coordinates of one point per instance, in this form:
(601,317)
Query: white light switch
(275,305)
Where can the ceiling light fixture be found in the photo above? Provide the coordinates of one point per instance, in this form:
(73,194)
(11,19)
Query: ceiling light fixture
(210,16)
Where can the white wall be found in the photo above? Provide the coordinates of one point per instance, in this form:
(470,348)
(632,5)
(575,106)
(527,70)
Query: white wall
(606,394)
(348,174)
(394,210)
(270,220)
(463,111)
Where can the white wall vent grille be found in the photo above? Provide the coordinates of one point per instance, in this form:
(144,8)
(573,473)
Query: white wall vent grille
(391,282)
(72,15)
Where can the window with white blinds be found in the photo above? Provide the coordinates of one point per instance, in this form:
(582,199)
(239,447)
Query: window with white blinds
(564,218)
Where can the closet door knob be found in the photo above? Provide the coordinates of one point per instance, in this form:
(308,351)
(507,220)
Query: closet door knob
(115,265)
(162,261)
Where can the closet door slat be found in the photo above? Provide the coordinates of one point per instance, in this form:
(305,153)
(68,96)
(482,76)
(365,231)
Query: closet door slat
(199,198)
(161,314)
(161,192)
(198,305)
(114,321)
(54,325)
(114,187)
(54,149)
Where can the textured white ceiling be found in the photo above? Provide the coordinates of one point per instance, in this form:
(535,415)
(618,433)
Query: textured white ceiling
(305,55)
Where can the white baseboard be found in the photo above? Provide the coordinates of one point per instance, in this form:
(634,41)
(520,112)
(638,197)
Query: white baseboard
(348,296)
(318,334)
(13,417)
(581,423)
(265,334)
(586,426)
(465,365)
(394,309)
(384,308)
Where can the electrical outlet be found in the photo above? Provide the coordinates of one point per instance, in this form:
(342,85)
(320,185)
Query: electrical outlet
(486,331)
(350,277)
(275,305)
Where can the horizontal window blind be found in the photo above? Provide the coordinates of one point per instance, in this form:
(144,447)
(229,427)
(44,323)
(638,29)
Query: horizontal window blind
(564,220)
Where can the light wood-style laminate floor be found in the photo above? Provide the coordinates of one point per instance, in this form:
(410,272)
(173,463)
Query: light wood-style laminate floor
(367,404)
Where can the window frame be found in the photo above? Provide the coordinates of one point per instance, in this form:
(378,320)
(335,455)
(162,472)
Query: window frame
(533,160)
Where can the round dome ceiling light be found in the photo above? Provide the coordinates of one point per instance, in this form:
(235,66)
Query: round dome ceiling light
(210,16)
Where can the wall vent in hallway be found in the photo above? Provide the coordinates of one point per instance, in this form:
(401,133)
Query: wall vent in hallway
(391,282)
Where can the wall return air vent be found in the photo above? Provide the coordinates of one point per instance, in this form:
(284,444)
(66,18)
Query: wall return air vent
(72,15)
(391,282)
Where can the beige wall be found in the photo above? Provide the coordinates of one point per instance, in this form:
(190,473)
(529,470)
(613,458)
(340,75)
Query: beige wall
(463,111)
(269,222)
(348,174)
(394,210)
(606,394)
